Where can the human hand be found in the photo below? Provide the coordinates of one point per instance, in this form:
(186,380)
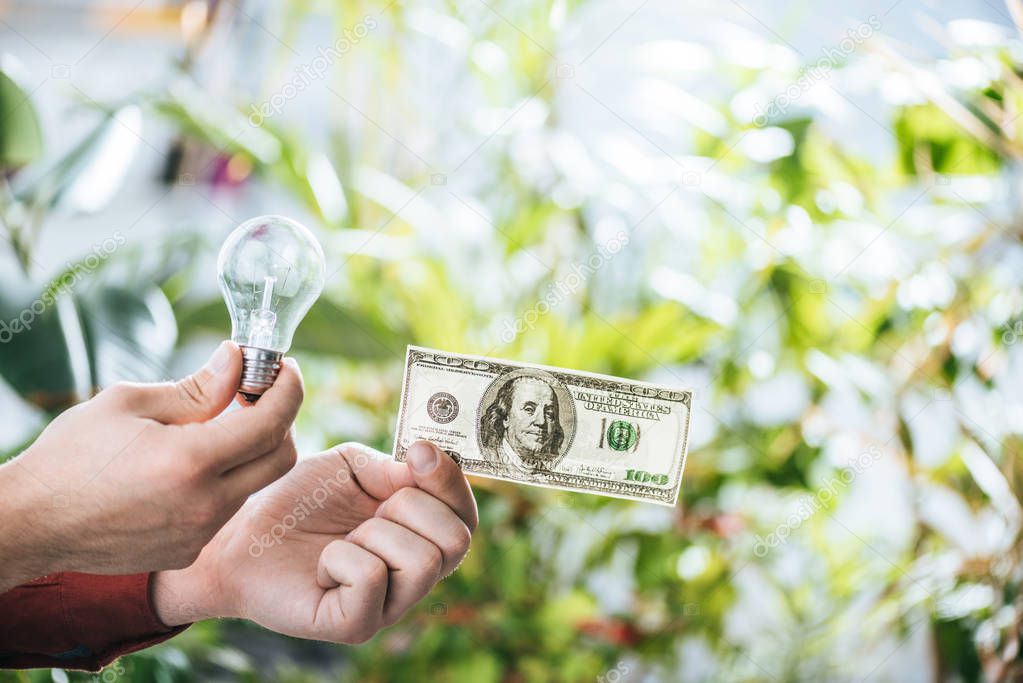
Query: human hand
(341,547)
(143,475)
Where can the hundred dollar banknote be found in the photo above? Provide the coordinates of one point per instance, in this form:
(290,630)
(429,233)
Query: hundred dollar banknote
(547,426)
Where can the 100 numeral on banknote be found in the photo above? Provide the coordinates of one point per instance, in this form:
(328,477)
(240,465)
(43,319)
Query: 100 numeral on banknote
(547,426)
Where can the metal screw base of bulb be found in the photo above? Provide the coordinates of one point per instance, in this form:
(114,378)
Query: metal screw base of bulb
(259,370)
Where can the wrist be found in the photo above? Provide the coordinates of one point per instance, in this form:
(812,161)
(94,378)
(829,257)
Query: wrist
(27,548)
(184,596)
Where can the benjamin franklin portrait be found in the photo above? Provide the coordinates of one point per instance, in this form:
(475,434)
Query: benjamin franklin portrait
(523,422)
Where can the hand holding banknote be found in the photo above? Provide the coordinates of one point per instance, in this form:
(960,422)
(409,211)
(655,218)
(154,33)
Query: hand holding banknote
(336,550)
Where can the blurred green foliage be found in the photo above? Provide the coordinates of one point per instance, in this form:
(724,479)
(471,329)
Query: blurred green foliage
(828,304)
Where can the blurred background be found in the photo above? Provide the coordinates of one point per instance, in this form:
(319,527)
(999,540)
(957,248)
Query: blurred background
(823,224)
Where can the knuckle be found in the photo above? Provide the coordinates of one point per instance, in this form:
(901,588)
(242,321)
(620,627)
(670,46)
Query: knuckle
(118,393)
(356,535)
(346,451)
(375,573)
(191,470)
(360,534)
(458,544)
(361,634)
(79,410)
(280,433)
(401,504)
(392,616)
(203,513)
(287,456)
(192,390)
(355,455)
(433,562)
(183,475)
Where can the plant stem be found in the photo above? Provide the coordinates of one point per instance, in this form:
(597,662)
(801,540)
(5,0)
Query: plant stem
(21,250)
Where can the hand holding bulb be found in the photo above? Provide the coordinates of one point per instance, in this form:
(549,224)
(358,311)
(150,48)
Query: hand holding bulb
(271,272)
(142,476)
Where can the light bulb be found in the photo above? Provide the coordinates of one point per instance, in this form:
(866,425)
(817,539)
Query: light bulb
(271,271)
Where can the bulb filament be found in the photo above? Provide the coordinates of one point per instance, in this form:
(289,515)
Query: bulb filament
(263,319)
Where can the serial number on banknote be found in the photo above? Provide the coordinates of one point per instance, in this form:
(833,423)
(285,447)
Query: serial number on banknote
(547,426)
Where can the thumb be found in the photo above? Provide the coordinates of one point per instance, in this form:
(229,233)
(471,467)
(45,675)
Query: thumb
(437,473)
(198,397)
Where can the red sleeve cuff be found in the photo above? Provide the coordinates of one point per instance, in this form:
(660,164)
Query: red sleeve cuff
(72,620)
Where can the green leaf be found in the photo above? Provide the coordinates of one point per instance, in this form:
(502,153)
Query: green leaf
(328,328)
(927,129)
(21,139)
(479,667)
(59,346)
(197,113)
(88,176)
(129,333)
(35,360)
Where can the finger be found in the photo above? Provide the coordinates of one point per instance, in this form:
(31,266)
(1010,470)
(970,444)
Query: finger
(196,398)
(245,434)
(425,515)
(355,581)
(375,472)
(437,474)
(242,481)
(414,562)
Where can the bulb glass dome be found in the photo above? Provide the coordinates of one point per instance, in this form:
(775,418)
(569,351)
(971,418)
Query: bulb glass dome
(271,271)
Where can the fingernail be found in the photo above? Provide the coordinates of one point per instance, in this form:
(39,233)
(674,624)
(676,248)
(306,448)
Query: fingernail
(423,456)
(291,362)
(220,358)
